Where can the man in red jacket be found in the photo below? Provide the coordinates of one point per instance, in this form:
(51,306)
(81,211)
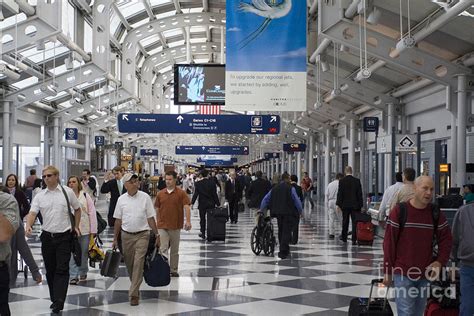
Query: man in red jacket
(408,250)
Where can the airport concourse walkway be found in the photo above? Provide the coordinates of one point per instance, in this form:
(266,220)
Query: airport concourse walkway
(217,278)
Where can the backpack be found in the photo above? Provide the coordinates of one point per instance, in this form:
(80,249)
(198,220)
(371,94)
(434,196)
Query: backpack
(435,212)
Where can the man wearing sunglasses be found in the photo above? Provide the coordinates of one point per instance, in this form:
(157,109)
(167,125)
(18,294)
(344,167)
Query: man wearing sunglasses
(56,236)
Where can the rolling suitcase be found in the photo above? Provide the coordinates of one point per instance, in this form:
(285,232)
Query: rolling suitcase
(111,263)
(216,221)
(365,230)
(369,306)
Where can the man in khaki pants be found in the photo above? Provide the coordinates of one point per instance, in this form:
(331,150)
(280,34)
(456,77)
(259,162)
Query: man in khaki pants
(170,203)
(134,216)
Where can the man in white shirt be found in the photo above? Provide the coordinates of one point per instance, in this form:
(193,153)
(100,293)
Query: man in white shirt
(57,233)
(388,195)
(134,218)
(334,214)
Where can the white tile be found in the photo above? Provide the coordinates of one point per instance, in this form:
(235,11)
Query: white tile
(182,284)
(151,307)
(251,258)
(321,252)
(336,267)
(257,267)
(271,308)
(261,277)
(331,259)
(42,291)
(34,307)
(265,291)
(360,291)
(347,278)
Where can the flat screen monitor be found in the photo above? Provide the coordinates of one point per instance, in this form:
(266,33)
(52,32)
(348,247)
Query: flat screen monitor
(199,84)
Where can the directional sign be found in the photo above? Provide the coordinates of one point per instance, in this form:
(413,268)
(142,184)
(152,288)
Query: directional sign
(71,133)
(148,152)
(198,124)
(119,145)
(231,160)
(371,124)
(271,155)
(294,147)
(212,150)
(100,140)
(406,144)
(218,163)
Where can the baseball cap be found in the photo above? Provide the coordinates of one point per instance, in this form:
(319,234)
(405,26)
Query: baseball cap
(129,176)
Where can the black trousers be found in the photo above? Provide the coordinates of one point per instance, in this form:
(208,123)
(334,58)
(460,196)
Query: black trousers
(4,290)
(349,212)
(285,226)
(110,218)
(56,253)
(295,230)
(202,222)
(234,209)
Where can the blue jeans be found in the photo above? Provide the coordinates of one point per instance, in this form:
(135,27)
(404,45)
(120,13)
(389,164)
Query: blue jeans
(74,270)
(410,295)
(467,293)
(307,195)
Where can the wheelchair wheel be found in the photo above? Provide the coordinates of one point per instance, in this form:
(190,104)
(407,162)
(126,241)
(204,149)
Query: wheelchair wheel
(268,241)
(255,242)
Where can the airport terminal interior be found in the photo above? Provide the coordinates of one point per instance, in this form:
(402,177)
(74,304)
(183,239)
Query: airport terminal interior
(380,85)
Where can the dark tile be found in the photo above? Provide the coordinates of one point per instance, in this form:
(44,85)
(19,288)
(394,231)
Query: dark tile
(12,297)
(98,298)
(318,299)
(86,311)
(328,313)
(302,272)
(207,312)
(210,298)
(211,272)
(312,284)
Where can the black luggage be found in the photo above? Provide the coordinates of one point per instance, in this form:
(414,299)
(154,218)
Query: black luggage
(216,221)
(450,201)
(369,306)
(241,207)
(157,269)
(111,263)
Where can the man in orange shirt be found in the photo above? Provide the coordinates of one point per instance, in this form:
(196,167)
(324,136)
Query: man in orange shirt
(169,204)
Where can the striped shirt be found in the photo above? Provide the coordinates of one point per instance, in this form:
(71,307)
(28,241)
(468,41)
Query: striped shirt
(409,251)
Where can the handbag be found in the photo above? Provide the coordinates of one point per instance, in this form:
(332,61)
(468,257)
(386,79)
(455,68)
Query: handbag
(157,270)
(101,223)
(96,254)
(75,245)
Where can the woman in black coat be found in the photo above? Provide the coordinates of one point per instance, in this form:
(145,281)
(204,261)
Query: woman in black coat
(18,242)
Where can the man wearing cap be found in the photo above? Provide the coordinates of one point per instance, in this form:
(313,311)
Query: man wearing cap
(134,219)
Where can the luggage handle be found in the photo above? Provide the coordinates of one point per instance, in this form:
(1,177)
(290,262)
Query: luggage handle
(373,282)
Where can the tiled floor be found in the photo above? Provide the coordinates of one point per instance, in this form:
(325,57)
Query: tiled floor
(320,278)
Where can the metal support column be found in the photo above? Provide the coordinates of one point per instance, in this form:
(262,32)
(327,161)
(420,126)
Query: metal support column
(56,143)
(290,161)
(320,168)
(461,139)
(337,155)
(7,141)
(327,159)
(352,141)
(46,145)
(363,171)
(310,155)
(298,165)
(277,165)
(222,45)
(388,158)
(87,144)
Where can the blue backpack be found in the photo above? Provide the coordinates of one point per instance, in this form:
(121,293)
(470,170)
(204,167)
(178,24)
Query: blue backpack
(157,270)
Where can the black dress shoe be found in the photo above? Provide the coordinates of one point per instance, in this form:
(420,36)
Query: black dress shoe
(331,236)
(57,307)
(283,255)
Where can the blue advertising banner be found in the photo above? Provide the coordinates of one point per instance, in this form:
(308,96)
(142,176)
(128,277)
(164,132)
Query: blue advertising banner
(212,150)
(71,133)
(198,124)
(266,55)
(100,140)
(148,152)
(294,147)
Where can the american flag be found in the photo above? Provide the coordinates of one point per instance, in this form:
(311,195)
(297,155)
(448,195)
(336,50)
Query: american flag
(209,109)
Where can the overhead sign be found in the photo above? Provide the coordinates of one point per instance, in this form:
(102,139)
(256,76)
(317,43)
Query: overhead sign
(218,163)
(271,155)
(212,150)
(294,147)
(148,152)
(371,124)
(230,161)
(406,143)
(100,140)
(71,133)
(443,167)
(470,120)
(198,124)
(119,145)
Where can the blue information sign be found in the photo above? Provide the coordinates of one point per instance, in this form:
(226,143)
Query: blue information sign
(119,145)
(371,124)
(218,163)
(232,160)
(198,124)
(293,147)
(212,150)
(100,140)
(71,133)
(148,152)
(271,155)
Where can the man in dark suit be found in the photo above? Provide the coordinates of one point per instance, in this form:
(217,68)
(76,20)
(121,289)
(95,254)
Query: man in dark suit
(296,224)
(349,200)
(233,196)
(116,188)
(256,192)
(206,191)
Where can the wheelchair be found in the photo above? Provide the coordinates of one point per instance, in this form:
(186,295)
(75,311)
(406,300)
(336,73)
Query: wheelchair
(262,237)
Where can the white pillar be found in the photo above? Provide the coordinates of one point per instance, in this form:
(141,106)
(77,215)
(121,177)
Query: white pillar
(290,160)
(87,144)
(336,155)
(352,141)
(56,143)
(277,165)
(222,45)
(298,165)
(310,156)
(7,142)
(453,150)
(388,157)
(363,172)
(461,139)
(188,44)
(327,159)
(46,146)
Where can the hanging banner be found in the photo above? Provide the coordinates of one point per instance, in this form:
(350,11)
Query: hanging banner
(265,55)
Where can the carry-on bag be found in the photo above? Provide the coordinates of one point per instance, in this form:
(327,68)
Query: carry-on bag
(157,269)
(369,306)
(111,263)
(434,308)
(216,221)
(241,207)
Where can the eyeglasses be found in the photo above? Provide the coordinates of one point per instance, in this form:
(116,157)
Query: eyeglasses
(47,175)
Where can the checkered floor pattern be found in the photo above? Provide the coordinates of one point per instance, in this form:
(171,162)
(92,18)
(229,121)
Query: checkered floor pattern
(320,277)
